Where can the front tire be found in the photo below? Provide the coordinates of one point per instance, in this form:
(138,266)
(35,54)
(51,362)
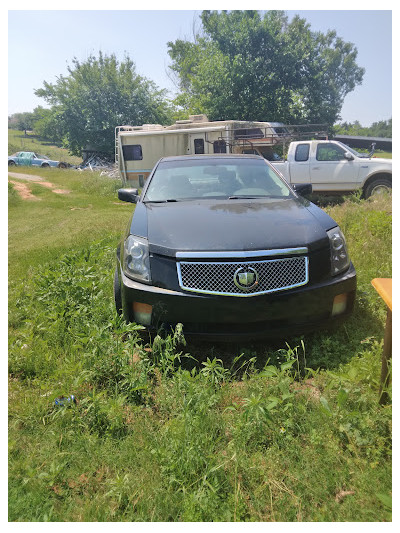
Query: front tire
(378,186)
(11,164)
(117,293)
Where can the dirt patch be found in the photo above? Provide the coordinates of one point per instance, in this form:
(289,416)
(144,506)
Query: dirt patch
(61,191)
(307,387)
(46,184)
(39,181)
(24,191)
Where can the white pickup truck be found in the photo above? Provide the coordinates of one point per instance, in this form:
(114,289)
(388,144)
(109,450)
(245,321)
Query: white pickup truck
(331,166)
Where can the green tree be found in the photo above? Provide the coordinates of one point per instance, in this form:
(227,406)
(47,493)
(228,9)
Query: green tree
(48,124)
(21,121)
(99,94)
(383,128)
(248,66)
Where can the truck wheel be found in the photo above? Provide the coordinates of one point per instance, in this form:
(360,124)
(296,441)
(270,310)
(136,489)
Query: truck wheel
(11,163)
(45,165)
(378,186)
(117,293)
(62,165)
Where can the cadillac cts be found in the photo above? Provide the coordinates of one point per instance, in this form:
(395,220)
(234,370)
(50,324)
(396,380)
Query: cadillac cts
(223,245)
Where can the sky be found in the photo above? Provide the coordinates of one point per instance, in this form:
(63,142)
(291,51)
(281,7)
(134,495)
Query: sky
(42,43)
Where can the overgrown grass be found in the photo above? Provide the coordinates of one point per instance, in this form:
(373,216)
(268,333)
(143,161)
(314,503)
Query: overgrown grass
(40,231)
(166,431)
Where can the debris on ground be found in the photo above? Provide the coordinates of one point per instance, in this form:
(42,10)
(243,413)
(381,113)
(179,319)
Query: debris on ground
(100,162)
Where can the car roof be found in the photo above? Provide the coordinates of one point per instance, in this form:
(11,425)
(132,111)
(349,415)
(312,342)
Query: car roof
(210,156)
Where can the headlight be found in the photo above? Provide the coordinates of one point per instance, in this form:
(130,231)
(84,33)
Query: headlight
(136,260)
(339,257)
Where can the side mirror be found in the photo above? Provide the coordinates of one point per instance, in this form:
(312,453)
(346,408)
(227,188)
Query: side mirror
(303,189)
(128,195)
(348,156)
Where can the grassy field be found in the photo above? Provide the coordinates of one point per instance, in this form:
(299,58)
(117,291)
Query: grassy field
(285,431)
(18,142)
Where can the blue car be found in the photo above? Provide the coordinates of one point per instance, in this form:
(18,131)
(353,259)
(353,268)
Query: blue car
(33,159)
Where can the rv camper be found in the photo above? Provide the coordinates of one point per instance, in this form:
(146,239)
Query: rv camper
(138,148)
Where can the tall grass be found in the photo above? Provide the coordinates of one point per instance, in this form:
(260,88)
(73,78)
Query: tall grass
(170,431)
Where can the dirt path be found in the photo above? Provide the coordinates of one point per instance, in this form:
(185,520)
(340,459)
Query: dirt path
(25,192)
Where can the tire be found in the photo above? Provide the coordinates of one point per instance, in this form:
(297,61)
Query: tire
(117,293)
(377,186)
(62,165)
(11,164)
(45,165)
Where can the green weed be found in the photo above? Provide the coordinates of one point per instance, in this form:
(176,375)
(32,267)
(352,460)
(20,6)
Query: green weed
(171,431)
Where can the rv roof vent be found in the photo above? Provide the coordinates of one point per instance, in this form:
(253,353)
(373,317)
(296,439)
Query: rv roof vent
(198,118)
(183,122)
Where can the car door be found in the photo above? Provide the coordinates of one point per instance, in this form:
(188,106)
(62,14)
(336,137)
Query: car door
(330,170)
(36,161)
(25,158)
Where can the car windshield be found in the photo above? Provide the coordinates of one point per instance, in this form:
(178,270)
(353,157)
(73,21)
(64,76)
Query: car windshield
(207,178)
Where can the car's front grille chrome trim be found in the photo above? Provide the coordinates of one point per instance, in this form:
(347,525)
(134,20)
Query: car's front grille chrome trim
(248,254)
(243,278)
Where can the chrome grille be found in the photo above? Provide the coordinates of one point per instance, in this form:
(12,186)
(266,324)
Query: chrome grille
(213,277)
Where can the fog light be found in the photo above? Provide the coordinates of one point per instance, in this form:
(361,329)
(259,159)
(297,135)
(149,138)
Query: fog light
(339,304)
(142,313)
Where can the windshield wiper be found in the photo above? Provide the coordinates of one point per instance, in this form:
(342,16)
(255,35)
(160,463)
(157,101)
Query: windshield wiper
(246,197)
(160,201)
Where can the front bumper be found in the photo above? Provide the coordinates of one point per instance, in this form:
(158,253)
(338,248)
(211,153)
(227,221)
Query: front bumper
(290,312)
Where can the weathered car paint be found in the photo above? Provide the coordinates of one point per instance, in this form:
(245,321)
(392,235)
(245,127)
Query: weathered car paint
(32,159)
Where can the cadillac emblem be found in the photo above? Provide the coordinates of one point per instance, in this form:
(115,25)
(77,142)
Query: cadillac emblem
(245,278)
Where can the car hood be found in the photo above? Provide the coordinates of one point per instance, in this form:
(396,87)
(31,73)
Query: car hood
(231,225)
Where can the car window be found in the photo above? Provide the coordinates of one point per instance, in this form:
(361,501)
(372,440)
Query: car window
(195,178)
(329,152)
(302,152)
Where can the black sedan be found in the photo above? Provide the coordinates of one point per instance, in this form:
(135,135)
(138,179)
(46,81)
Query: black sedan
(223,245)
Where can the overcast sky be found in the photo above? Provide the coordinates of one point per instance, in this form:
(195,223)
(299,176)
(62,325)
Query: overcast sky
(42,43)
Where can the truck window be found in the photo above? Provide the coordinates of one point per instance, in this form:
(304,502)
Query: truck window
(199,146)
(132,152)
(302,152)
(329,152)
(219,147)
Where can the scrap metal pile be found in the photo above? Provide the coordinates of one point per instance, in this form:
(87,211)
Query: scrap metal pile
(100,162)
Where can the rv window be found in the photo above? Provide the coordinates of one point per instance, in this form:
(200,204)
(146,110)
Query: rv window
(302,152)
(219,147)
(199,146)
(132,152)
(245,133)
